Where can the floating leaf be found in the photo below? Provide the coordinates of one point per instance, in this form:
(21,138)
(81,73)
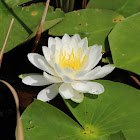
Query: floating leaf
(12,3)
(116,136)
(125,44)
(27,19)
(114,110)
(124,7)
(92,23)
(42,121)
(101,117)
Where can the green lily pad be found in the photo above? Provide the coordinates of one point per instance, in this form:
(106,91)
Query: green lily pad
(116,136)
(101,117)
(42,121)
(92,23)
(114,110)
(27,20)
(12,3)
(124,7)
(125,44)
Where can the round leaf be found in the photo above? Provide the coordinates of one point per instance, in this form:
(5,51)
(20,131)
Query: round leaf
(92,23)
(116,136)
(102,117)
(27,20)
(124,42)
(42,121)
(114,110)
(124,7)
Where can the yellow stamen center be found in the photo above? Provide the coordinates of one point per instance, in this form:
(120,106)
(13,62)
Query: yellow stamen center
(74,60)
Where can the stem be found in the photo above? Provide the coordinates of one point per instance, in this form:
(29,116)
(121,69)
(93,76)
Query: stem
(3,47)
(64,4)
(71,5)
(38,34)
(19,124)
(67,5)
(84,4)
(57,3)
(61,3)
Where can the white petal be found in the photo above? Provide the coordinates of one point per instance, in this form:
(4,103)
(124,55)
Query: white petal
(51,78)
(66,48)
(51,42)
(53,48)
(40,62)
(48,55)
(94,57)
(91,74)
(66,91)
(80,74)
(66,39)
(47,52)
(85,53)
(96,88)
(81,86)
(58,43)
(52,62)
(87,62)
(105,70)
(67,79)
(78,97)
(59,70)
(88,87)
(83,43)
(48,93)
(35,80)
(74,44)
(76,37)
(68,71)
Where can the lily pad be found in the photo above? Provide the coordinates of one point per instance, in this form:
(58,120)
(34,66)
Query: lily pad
(43,121)
(124,7)
(101,117)
(27,19)
(116,136)
(114,110)
(91,23)
(125,44)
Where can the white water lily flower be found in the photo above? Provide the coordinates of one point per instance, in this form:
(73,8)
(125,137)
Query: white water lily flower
(69,64)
